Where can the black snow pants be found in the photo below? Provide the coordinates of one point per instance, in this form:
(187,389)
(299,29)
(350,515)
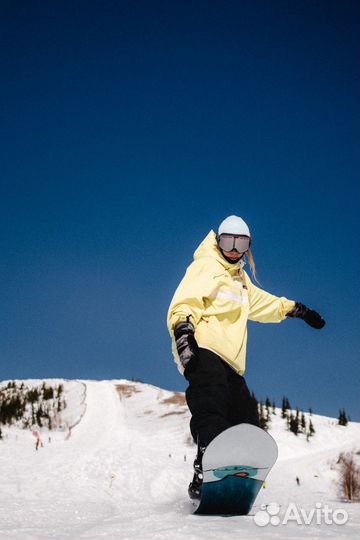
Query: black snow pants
(217,397)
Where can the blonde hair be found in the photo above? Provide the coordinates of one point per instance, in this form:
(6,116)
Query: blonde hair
(251,260)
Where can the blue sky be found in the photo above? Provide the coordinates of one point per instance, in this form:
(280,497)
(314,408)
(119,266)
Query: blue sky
(130,129)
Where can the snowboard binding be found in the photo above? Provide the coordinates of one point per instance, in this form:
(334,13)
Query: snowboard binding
(195,485)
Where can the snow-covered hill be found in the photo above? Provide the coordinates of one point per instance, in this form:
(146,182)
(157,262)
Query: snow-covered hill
(122,472)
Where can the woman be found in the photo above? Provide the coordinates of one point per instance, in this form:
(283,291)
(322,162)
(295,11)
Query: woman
(207,320)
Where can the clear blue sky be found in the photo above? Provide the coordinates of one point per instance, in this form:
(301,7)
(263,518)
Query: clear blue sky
(130,129)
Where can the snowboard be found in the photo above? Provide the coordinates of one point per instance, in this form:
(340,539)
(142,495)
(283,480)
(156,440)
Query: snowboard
(235,465)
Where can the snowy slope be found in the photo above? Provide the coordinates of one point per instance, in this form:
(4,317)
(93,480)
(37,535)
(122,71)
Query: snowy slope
(122,473)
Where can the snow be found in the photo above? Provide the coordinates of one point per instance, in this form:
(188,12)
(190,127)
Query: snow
(122,472)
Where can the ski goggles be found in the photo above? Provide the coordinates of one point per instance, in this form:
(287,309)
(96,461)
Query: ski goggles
(229,242)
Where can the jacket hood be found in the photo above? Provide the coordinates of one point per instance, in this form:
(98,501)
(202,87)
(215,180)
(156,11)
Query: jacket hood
(209,248)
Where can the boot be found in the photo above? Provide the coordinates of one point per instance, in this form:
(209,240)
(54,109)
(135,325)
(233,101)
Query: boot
(195,485)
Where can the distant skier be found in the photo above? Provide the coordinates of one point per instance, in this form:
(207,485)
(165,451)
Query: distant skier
(207,320)
(298,481)
(38,443)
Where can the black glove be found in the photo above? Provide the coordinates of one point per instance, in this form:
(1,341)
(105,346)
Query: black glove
(310,316)
(186,345)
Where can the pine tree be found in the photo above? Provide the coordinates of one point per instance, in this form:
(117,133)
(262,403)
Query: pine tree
(33,417)
(262,418)
(343,419)
(33,395)
(48,393)
(290,420)
(268,404)
(311,431)
(39,414)
(303,423)
(294,424)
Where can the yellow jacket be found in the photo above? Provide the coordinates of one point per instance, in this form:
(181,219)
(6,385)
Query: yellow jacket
(220,298)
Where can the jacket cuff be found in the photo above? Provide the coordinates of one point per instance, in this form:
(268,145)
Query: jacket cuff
(287,306)
(181,319)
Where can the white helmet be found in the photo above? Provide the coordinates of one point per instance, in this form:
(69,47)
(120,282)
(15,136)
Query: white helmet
(234,225)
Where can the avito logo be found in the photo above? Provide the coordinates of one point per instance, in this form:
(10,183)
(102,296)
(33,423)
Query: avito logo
(319,515)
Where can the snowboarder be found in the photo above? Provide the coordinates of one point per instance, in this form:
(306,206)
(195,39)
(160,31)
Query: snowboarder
(207,320)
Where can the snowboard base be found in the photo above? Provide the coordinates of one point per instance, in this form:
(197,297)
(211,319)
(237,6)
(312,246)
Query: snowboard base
(232,495)
(235,465)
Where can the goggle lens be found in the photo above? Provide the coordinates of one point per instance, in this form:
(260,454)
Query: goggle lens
(228,242)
